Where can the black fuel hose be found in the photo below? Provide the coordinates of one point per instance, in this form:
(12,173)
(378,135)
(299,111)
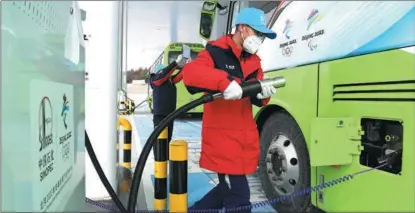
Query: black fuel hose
(101,174)
(135,183)
(143,158)
(248,89)
(251,88)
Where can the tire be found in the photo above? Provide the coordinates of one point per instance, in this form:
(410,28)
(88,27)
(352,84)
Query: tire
(282,124)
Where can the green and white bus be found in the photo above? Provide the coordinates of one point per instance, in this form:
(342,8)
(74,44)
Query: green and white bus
(170,54)
(348,106)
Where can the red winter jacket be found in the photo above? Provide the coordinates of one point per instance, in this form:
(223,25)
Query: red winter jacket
(230,139)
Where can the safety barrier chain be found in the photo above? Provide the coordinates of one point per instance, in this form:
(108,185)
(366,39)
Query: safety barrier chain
(299,193)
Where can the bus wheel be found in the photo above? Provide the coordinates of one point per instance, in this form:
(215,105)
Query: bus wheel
(284,163)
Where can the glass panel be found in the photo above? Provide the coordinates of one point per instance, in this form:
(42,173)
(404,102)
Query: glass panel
(266,6)
(173,55)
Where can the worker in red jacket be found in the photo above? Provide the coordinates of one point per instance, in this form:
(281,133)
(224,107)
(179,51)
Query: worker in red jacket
(230,138)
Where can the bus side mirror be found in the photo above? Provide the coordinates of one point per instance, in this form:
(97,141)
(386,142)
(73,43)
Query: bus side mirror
(222,10)
(207,18)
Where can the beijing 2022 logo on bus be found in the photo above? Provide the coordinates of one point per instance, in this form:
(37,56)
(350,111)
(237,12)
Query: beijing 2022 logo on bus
(45,123)
(287,47)
(314,17)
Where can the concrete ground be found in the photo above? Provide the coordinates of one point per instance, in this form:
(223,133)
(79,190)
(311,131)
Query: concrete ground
(200,181)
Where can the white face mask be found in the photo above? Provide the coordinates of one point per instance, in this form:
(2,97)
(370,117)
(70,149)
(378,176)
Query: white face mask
(252,43)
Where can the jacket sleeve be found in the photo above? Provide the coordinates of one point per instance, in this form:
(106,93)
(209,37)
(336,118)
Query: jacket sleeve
(254,100)
(164,74)
(177,77)
(200,75)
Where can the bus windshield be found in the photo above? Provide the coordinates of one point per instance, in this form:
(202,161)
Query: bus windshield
(173,55)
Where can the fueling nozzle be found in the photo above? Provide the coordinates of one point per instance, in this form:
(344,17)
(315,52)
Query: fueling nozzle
(252,88)
(276,82)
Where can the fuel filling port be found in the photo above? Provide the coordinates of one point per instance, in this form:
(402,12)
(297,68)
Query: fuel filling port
(382,144)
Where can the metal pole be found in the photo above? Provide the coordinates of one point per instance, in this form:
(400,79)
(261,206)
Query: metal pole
(101,122)
(121,45)
(124,77)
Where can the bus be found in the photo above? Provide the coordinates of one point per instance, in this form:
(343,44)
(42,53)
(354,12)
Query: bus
(348,106)
(168,55)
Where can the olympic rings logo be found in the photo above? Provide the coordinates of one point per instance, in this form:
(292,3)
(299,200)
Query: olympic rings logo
(286,51)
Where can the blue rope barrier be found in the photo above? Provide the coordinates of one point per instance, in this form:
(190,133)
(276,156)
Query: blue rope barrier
(304,192)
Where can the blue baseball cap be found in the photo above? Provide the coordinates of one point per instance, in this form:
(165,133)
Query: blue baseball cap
(255,18)
(159,67)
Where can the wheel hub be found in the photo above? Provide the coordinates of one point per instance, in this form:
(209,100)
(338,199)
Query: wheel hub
(277,162)
(282,165)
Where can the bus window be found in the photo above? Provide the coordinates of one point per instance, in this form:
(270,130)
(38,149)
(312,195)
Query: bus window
(317,31)
(158,61)
(267,6)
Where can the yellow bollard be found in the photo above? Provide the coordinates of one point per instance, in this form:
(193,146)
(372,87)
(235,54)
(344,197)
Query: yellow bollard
(160,171)
(178,176)
(127,141)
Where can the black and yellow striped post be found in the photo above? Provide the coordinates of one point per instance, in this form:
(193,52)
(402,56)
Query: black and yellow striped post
(160,170)
(178,176)
(127,141)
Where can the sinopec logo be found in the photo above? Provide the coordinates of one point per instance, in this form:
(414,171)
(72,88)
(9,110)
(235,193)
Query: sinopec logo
(45,123)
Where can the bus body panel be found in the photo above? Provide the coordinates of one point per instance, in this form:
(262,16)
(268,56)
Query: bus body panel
(387,66)
(183,97)
(394,65)
(299,96)
(376,189)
